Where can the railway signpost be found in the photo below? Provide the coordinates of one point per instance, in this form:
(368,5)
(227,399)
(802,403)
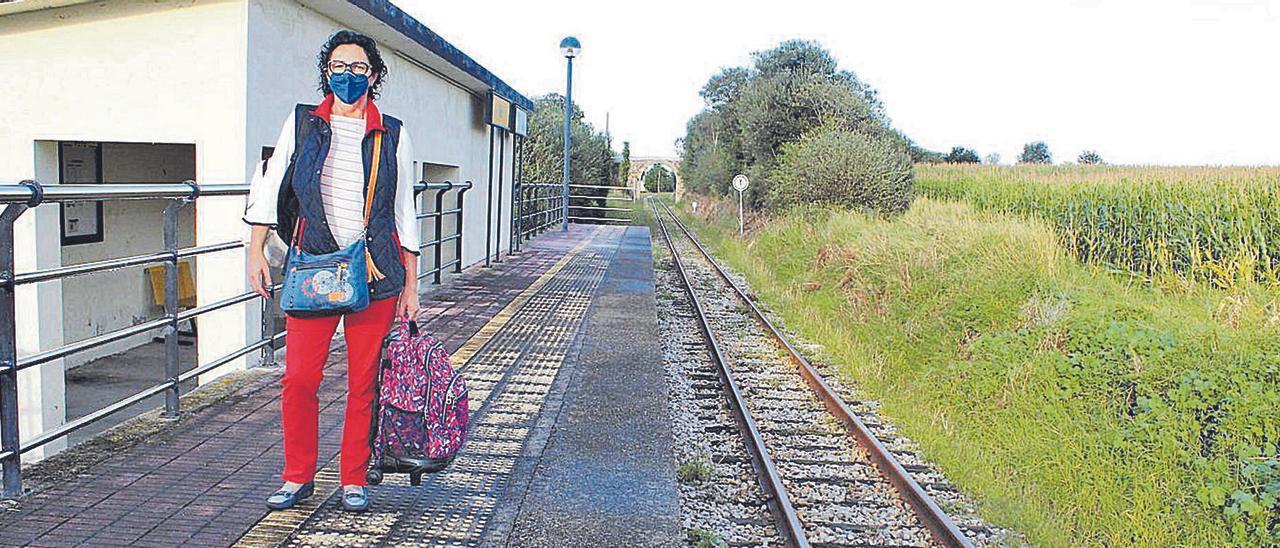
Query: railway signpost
(740,183)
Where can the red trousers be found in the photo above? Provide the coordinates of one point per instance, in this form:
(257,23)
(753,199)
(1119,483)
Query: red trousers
(306,350)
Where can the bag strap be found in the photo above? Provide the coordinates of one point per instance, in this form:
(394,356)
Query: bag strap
(373,176)
(299,223)
(373,272)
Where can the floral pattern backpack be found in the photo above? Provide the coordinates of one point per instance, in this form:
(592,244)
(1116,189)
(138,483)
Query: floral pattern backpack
(421,411)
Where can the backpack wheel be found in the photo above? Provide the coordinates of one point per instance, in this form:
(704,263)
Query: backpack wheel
(415,479)
(373,476)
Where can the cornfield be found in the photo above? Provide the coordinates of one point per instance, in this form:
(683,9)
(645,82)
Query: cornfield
(1220,225)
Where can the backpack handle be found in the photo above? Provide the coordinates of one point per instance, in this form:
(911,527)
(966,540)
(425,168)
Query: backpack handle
(413,328)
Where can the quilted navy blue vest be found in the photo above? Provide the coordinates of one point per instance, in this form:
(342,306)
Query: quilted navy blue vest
(300,196)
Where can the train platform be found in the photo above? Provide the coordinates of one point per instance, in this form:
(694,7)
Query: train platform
(569,443)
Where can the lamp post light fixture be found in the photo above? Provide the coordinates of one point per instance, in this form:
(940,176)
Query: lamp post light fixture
(570,47)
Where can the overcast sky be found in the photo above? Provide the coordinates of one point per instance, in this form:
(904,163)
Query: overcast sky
(1144,82)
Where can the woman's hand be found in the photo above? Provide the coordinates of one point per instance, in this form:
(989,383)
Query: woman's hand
(258,269)
(259,273)
(407,308)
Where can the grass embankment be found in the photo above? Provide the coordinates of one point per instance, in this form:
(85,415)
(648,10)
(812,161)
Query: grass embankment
(1078,406)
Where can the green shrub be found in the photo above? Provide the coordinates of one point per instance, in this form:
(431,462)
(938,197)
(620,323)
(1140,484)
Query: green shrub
(844,168)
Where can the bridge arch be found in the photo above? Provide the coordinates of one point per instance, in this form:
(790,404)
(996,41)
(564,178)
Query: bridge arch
(641,165)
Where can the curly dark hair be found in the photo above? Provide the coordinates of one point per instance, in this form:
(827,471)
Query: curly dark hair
(341,37)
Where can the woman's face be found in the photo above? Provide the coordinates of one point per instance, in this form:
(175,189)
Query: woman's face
(348,54)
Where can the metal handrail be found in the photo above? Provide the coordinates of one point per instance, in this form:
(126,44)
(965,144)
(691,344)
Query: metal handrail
(599,208)
(28,194)
(539,207)
(615,198)
(626,220)
(114,264)
(29,191)
(581,208)
(605,187)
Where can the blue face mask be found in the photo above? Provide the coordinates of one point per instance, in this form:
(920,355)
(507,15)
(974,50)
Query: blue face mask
(348,87)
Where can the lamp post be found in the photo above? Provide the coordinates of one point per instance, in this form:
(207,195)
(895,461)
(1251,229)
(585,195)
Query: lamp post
(569,47)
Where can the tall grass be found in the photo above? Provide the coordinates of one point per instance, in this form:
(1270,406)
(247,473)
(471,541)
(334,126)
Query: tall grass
(1080,407)
(1220,225)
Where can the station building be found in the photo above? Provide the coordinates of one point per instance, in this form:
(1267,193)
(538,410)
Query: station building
(164,91)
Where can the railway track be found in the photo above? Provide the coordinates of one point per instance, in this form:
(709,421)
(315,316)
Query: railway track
(826,479)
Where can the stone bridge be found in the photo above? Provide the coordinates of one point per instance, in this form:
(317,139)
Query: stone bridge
(642,164)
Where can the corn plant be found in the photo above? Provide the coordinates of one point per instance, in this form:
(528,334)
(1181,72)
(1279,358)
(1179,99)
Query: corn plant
(1220,225)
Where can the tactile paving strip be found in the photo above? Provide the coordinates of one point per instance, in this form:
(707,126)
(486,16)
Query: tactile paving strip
(509,378)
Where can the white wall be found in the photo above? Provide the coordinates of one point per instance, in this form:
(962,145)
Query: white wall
(161,71)
(130,227)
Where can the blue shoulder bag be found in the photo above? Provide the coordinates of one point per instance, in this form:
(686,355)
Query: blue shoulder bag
(334,283)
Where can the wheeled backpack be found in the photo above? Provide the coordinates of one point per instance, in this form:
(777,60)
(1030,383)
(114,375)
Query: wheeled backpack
(421,409)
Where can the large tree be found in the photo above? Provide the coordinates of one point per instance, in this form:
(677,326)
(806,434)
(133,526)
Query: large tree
(590,154)
(1035,153)
(1090,157)
(751,112)
(624,168)
(962,155)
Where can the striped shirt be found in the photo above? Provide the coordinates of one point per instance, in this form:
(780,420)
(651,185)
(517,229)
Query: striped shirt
(342,184)
(343,196)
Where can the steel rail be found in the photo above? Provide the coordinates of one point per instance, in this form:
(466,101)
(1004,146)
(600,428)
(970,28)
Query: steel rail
(788,521)
(930,514)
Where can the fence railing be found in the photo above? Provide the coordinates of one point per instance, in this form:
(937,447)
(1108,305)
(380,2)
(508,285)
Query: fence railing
(440,239)
(595,203)
(29,194)
(541,206)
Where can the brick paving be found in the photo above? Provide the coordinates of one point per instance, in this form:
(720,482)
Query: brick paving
(203,479)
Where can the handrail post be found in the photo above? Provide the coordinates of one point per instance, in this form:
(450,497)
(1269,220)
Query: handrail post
(457,242)
(517,196)
(488,219)
(268,331)
(524,204)
(9,443)
(547,213)
(439,252)
(502,161)
(171,351)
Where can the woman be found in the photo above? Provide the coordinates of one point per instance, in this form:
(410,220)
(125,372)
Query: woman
(316,187)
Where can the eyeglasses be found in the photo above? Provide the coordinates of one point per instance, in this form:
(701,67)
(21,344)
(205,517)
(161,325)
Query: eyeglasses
(356,67)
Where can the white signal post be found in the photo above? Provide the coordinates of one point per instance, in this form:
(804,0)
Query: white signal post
(740,183)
